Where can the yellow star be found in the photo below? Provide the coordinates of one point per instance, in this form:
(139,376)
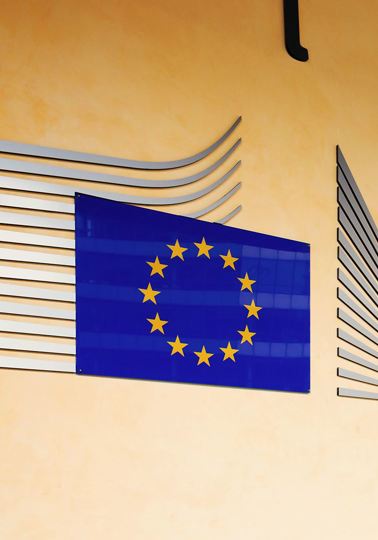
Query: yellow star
(253,310)
(177,250)
(203,248)
(149,294)
(203,356)
(246,282)
(157,324)
(229,260)
(177,346)
(229,352)
(246,335)
(157,267)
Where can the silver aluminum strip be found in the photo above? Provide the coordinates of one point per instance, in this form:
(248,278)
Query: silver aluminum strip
(230,215)
(343,279)
(23,149)
(20,184)
(351,357)
(350,197)
(14,201)
(36,257)
(17,308)
(356,259)
(53,171)
(364,253)
(345,298)
(20,291)
(352,183)
(18,327)
(27,274)
(348,392)
(34,364)
(15,237)
(215,204)
(356,326)
(368,242)
(355,272)
(55,347)
(356,343)
(13,218)
(354,376)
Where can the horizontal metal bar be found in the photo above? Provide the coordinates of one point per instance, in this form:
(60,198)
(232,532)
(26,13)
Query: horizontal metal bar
(357,326)
(362,394)
(34,364)
(60,189)
(229,216)
(351,357)
(55,347)
(356,241)
(353,185)
(36,257)
(356,343)
(47,152)
(15,201)
(356,260)
(30,310)
(343,296)
(27,274)
(354,376)
(44,222)
(20,291)
(343,279)
(21,327)
(348,198)
(15,237)
(53,171)
(215,204)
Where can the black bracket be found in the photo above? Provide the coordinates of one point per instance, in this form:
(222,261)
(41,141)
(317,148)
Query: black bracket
(292,36)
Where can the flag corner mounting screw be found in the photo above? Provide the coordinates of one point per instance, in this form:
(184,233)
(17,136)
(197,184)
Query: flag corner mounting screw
(292,35)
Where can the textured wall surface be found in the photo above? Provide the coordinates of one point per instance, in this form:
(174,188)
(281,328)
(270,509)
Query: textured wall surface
(102,458)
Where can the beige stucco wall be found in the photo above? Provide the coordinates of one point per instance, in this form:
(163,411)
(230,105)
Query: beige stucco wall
(100,458)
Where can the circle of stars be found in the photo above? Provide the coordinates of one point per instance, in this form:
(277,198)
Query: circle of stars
(158,324)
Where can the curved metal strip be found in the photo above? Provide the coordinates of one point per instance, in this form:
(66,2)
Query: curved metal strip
(215,204)
(357,260)
(31,310)
(38,257)
(41,169)
(356,343)
(351,357)
(21,327)
(348,392)
(46,152)
(41,222)
(229,216)
(56,347)
(27,274)
(34,364)
(344,317)
(29,239)
(343,279)
(358,377)
(347,301)
(40,293)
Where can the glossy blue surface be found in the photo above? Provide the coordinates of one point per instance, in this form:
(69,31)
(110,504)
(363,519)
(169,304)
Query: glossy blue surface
(202,301)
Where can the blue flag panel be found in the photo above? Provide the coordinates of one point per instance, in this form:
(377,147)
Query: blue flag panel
(169,298)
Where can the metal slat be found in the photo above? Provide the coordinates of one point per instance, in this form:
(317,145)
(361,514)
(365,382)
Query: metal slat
(27,220)
(341,295)
(24,149)
(14,201)
(356,260)
(225,219)
(36,257)
(14,237)
(352,183)
(356,326)
(17,308)
(20,291)
(354,376)
(343,279)
(351,357)
(18,327)
(34,364)
(363,252)
(54,171)
(27,274)
(215,204)
(55,347)
(348,392)
(356,343)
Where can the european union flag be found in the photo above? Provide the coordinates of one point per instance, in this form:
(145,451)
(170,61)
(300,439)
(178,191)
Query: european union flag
(170,298)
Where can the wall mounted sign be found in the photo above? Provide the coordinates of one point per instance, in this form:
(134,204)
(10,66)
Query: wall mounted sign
(357,292)
(292,33)
(165,297)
